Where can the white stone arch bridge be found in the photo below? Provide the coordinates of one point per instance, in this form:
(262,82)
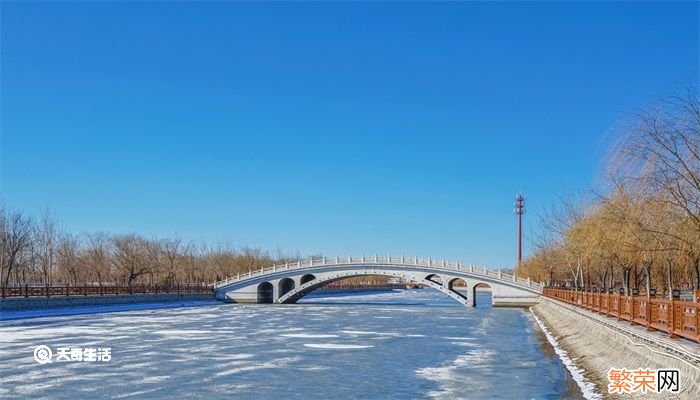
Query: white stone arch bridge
(287,283)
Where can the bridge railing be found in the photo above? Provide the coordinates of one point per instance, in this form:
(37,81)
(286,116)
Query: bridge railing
(381,260)
(673,317)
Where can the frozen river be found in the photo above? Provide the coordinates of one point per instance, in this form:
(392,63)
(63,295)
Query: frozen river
(391,345)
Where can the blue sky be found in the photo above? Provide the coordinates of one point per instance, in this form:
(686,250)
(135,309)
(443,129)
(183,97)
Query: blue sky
(328,128)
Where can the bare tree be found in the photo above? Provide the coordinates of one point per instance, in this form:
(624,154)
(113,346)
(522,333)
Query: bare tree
(98,255)
(46,240)
(16,236)
(70,263)
(131,257)
(172,254)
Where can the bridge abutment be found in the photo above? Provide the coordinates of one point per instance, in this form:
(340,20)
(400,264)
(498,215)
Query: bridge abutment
(504,296)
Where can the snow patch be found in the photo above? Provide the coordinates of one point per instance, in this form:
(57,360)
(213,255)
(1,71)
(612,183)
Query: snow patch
(308,335)
(448,376)
(368,333)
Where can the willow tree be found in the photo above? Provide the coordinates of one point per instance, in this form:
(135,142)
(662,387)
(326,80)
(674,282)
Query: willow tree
(647,219)
(657,156)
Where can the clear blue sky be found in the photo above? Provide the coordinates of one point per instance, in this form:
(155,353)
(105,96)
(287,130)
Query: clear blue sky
(328,128)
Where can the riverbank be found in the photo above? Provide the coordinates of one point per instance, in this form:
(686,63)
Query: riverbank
(595,348)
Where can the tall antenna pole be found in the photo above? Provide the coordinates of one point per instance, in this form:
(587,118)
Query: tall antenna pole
(520,210)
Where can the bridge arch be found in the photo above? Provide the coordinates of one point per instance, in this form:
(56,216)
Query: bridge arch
(455,283)
(306,278)
(266,293)
(435,278)
(475,290)
(302,290)
(285,285)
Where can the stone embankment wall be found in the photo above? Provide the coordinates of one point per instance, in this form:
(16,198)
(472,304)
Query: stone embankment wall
(596,348)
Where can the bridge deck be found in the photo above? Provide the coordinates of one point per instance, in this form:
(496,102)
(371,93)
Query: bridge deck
(455,266)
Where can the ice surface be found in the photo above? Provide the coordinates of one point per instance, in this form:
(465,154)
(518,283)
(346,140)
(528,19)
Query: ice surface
(345,347)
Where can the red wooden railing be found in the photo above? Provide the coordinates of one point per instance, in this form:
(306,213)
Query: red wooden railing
(48,291)
(674,317)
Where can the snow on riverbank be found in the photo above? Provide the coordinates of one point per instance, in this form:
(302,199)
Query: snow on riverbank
(588,388)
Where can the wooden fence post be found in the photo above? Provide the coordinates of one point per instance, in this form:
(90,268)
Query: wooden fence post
(697,320)
(671,317)
(648,312)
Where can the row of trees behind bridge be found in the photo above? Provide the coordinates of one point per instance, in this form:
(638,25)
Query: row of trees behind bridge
(38,251)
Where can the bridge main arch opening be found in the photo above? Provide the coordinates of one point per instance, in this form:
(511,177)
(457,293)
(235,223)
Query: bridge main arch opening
(265,293)
(482,295)
(339,286)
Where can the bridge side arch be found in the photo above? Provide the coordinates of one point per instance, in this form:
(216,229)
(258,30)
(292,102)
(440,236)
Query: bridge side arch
(265,293)
(285,285)
(306,278)
(437,278)
(455,282)
(476,287)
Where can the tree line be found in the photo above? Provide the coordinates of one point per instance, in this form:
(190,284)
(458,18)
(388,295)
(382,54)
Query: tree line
(36,251)
(641,228)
